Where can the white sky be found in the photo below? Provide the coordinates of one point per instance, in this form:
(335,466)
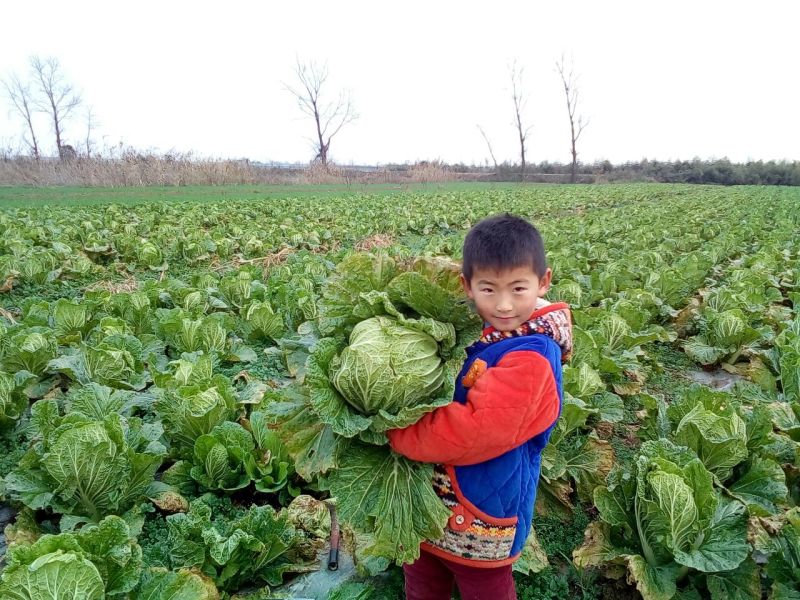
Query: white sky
(658,79)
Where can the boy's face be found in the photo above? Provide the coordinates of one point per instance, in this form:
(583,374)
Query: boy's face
(506,298)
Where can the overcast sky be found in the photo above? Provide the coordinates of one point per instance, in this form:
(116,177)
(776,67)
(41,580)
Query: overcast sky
(658,79)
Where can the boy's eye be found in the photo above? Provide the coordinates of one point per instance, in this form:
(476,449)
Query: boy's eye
(486,290)
(520,289)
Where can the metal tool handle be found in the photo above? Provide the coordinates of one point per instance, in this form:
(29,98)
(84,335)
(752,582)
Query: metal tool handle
(333,555)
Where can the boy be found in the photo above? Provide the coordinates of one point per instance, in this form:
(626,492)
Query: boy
(487,443)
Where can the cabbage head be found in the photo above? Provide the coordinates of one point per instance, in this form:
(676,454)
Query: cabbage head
(387,366)
(393,340)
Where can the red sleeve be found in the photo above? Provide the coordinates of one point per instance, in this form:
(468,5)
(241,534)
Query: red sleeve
(508,405)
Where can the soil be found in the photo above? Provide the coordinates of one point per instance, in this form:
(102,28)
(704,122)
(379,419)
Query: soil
(716,380)
(6,516)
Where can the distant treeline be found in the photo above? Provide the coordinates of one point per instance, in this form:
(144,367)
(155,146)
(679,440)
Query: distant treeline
(723,172)
(130,167)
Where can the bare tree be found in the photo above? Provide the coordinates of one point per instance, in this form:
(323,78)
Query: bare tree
(489,145)
(20,96)
(90,125)
(576,127)
(329,116)
(58,100)
(520,101)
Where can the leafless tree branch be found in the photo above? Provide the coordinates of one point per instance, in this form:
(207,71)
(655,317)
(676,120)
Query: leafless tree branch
(91,123)
(520,100)
(329,117)
(59,99)
(19,94)
(576,126)
(489,145)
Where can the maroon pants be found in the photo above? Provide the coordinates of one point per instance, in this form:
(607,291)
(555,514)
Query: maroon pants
(432,578)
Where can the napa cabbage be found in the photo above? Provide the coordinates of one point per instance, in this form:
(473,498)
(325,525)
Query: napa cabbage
(96,562)
(13,400)
(256,547)
(85,468)
(392,342)
(735,443)
(661,518)
(724,337)
(387,367)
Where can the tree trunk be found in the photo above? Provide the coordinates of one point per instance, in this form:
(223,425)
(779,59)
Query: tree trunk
(574,170)
(57,127)
(322,153)
(34,144)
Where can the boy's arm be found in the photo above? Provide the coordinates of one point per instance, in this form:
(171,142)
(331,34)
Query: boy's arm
(508,405)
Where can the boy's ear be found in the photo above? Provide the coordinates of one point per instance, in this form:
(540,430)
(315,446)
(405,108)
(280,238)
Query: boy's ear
(465,285)
(544,282)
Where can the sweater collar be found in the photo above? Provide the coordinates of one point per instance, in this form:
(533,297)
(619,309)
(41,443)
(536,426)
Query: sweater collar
(553,320)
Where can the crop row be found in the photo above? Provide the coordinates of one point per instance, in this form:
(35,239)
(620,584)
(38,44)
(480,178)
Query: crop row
(211,378)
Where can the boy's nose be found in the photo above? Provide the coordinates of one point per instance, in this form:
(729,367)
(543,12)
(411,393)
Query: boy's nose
(504,305)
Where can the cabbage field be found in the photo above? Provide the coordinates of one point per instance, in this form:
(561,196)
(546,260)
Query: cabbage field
(195,388)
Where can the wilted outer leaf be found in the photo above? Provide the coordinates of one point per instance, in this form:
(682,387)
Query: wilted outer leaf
(598,550)
(553,498)
(377,489)
(310,515)
(24,530)
(654,583)
(533,558)
(783,562)
(589,463)
(357,544)
(170,502)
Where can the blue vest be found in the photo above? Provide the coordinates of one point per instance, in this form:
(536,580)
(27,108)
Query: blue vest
(506,486)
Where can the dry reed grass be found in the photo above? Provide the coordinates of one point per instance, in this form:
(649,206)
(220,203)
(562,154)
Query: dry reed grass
(115,287)
(126,167)
(8,315)
(379,240)
(8,284)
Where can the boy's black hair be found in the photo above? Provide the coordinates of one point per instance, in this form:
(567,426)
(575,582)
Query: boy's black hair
(503,242)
